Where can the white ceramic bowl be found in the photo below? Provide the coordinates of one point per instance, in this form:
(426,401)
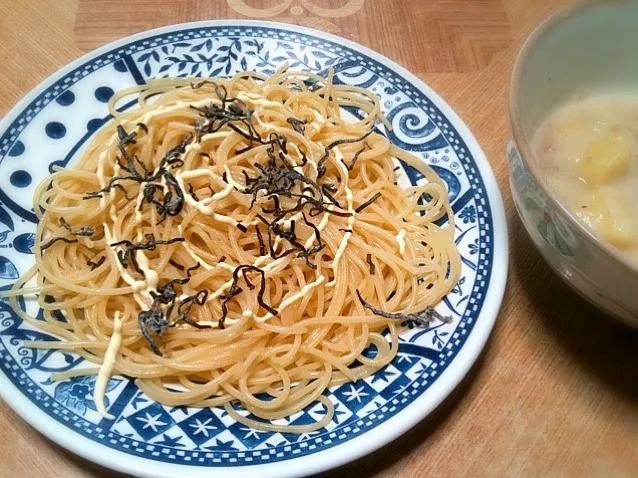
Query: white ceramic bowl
(588,47)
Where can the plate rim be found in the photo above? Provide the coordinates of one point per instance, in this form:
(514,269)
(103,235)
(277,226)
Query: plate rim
(363,444)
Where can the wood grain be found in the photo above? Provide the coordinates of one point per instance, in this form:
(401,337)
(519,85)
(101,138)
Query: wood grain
(556,391)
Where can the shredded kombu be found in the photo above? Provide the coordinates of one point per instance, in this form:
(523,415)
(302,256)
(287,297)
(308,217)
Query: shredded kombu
(422,319)
(278,178)
(371,264)
(82,232)
(126,254)
(157,319)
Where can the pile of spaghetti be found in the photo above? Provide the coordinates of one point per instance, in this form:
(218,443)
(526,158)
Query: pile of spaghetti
(239,241)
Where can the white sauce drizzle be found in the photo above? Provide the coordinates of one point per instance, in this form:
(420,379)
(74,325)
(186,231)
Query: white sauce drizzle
(144,287)
(267,127)
(247,314)
(315,125)
(106,368)
(305,290)
(293,298)
(351,220)
(400,237)
(204,206)
(152,278)
(256,99)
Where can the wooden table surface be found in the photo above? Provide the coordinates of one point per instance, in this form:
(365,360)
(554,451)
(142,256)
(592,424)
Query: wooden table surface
(556,391)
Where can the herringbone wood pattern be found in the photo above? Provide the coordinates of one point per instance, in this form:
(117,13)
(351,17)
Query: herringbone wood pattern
(454,36)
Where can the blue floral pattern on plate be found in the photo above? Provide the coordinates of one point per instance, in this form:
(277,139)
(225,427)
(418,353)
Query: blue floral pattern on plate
(43,135)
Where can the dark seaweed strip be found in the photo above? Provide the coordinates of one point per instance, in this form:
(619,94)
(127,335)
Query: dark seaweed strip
(125,140)
(171,206)
(371,264)
(271,243)
(185,306)
(289,235)
(356,157)
(142,165)
(325,189)
(262,288)
(321,168)
(248,179)
(177,265)
(279,140)
(85,231)
(95,265)
(195,86)
(276,210)
(346,230)
(304,159)
(315,230)
(191,269)
(173,157)
(278,180)
(169,285)
(149,245)
(56,239)
(153,320)
(121,188)
(392,294)
(127,255)
(251,286)
(234,290)
(262,246)
(110,185)
(317,206)
(191,191)
(423,318)
(306,253)
(148,196)
(173,200)
(237,111)
(143,127)
(297,124)
(368,202)
(156,320)
(241,227)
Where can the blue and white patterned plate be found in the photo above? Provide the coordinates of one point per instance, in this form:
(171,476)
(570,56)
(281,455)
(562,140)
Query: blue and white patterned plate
(52,126)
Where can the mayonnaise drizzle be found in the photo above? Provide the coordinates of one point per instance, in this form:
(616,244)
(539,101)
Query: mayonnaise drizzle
(151,277)
(400,237)
(293,298)
(256,99)
(106,368)
(315,125)
(351,219)
(143,288)
(305,290)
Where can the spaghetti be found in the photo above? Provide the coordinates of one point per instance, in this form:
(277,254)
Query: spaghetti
(239,241)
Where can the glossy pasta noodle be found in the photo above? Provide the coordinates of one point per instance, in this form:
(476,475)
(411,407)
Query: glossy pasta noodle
(239,243)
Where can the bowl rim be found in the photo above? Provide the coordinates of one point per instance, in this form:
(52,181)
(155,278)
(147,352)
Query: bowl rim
(521,142)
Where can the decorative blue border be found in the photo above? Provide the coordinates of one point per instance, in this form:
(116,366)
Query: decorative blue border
(341,433)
